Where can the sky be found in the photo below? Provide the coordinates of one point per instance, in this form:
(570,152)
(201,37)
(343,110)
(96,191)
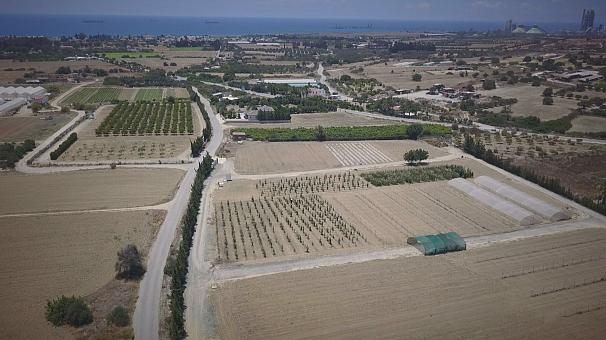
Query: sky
(452,10)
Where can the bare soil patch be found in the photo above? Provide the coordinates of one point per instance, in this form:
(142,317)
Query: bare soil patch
(91,189)
(544,287)
(18,129)
(46,256)
(47,67)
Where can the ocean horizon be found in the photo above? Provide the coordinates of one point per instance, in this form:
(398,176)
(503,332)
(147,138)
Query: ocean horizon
(68,25)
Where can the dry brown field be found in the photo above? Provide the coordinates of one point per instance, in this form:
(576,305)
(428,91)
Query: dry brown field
(268,158)
(401,78)
(18,128)
(323,119)
(183,58)
(89,147)
(588,124)
(46,67)
(44,257)
(90,189)
(530,102)
(544,287)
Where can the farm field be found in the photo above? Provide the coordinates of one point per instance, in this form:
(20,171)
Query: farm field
(530,102)
(90,148)
(147,94)
(545,287)
(46,256)
(18,129)
(267,158)
(310,120)
(93,95)
(90,189)
(141,118)
(588,124)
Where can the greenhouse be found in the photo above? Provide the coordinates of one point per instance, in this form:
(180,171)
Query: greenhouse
(532,203)
(519,214)
(438,244)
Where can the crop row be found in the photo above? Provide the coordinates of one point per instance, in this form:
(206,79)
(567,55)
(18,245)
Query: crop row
(311,184)
(149,95)
(417,175)
(280,225)
(145,118)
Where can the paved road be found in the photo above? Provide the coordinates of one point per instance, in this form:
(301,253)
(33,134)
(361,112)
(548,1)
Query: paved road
(146,320)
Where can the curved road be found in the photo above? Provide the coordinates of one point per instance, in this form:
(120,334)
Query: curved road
(146,320)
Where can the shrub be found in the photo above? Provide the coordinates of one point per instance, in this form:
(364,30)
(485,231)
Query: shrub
(417,77)
(119,317)
(415,131)
(489,84)
(129,265)
(71,311)
(417,155)
(547,101)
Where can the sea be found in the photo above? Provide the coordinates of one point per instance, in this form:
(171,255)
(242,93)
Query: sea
(68,25)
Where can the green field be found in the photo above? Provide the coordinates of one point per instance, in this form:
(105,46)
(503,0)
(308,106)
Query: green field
(118,55)
(93,95)
(149,94)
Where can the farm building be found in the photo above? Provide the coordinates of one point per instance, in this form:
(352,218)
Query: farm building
(12,106)
(27,93)
(438,244)
(505,207)
(542,208)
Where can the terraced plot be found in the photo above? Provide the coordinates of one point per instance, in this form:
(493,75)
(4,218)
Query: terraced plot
(358,153)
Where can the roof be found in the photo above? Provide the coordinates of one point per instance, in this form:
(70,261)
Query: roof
(13,104)
(22,90)
(290,81)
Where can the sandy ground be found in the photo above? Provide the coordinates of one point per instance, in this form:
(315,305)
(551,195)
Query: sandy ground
(18,129)
(539,288)
(530,102)
(588,124)
(89,147)
(43,257)
(92,189)
(267,158)
(323,119)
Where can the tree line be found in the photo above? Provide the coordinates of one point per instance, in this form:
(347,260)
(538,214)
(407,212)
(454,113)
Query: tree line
(476,148)
(180,267)
(73,137)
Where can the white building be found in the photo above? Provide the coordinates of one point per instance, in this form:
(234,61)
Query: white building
(12,106)
(292,82)
(27,93)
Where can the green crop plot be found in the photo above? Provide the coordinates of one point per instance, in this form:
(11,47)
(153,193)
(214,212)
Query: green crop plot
(149,95)
(148,118)
(118,55)
(93,95)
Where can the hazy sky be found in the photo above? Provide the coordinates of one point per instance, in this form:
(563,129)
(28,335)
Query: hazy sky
(457,10)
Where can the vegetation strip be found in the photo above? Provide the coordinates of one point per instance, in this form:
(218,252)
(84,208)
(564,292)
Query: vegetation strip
(73,137)
(420,175)
(476,148)
(11,153)
(385,132)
